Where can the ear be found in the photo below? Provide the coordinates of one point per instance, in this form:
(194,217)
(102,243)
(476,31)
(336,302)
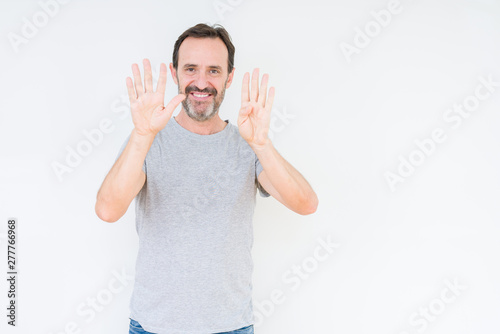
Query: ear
(230,78)
(174,73)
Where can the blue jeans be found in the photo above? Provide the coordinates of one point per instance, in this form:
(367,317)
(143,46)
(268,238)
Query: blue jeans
(136,328)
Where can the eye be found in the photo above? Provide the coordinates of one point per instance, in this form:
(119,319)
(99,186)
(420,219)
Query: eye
(214,71)
(190,69)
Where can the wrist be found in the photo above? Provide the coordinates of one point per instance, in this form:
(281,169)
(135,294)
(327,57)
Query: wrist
(261,147)
(141,138)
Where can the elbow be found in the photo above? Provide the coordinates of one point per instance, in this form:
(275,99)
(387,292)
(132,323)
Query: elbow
(104,214)
(309,205)
(310,209)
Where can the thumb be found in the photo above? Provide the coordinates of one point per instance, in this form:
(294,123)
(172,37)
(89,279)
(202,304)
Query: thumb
(170,107)
(245,111)
(165,113)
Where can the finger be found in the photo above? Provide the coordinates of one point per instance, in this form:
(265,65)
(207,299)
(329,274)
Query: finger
(245,94)
(162,80)
(130,89)
(137,80)
(170,107)
(254,94)
(270,99)
(263,89)
(148,76)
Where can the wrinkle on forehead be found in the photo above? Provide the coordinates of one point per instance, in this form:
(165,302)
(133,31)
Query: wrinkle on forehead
(203,52)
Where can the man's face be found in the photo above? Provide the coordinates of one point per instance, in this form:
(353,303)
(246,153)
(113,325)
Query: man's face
(202,75)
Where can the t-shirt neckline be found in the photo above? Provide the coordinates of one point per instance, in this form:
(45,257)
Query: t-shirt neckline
(195,136)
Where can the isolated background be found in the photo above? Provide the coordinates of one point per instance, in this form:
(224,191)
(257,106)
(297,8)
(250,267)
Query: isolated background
(351,122)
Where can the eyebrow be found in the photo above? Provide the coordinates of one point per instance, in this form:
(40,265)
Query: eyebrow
(216,67)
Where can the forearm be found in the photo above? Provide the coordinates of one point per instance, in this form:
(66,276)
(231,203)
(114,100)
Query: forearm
(293,188)
(124,180)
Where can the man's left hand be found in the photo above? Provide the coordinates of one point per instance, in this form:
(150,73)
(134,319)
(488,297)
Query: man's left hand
(255,113)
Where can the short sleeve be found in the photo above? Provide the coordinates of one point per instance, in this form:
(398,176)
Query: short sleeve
(258,170)
(121,150)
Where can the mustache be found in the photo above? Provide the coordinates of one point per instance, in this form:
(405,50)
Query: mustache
(207,90)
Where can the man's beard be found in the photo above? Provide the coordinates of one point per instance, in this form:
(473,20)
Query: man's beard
(200,110)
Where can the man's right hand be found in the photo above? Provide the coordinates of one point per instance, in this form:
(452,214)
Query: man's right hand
(126,178)
(148,111)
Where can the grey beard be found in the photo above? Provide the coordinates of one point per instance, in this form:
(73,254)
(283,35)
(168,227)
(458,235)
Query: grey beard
(200,117)
(207,114)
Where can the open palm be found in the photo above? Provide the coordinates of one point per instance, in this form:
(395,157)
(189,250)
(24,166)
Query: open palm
(255,113)
(147,106)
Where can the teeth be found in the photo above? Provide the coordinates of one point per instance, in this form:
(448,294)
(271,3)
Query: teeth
(200,95)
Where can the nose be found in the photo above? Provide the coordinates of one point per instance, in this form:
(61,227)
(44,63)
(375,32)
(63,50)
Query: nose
(201,80)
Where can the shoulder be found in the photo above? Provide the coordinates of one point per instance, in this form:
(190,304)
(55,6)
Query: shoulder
(233,134)
(238,145)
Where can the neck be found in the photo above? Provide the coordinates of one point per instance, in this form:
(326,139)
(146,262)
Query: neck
(208,127)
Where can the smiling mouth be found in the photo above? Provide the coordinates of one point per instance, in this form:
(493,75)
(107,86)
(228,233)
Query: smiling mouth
(200,96)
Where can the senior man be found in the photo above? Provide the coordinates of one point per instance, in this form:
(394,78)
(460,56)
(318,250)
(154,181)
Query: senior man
(195,179)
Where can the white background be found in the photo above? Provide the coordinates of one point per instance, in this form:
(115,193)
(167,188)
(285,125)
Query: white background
(353,118)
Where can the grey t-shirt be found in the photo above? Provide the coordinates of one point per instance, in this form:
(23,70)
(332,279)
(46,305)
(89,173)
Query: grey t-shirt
(194,221)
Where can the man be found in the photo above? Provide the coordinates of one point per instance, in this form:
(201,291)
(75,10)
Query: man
(195,177)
